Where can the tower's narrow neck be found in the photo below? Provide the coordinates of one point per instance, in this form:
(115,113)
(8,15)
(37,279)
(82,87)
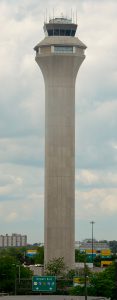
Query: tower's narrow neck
(59,70)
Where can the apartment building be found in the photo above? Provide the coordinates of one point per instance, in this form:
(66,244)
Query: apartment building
(14,240)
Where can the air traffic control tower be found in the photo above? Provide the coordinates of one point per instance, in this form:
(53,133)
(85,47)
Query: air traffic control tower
(59,56)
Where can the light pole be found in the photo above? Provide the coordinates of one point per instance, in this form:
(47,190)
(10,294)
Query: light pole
(18,272)
(85,287)
(16,276)
(85,276)
(15,283)
(115,279)
(92,223)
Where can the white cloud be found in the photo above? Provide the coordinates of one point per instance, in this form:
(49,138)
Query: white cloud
(10,187)
(87,177)
(95,135)
(11,216)
(26,209)
(96,177)
(96,203)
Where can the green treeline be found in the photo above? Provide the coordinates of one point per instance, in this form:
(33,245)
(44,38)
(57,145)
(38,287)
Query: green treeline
(16,277)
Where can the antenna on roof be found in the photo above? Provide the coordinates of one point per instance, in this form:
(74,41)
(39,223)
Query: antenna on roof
(71,13)
(76,17)
(53,14)
(46,15)
(73,17)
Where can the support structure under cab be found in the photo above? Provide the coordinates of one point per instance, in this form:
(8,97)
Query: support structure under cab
(59,56)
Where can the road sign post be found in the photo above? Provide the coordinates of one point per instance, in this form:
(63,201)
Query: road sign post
(44,284)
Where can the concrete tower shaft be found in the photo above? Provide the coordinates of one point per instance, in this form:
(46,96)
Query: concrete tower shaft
(59,58)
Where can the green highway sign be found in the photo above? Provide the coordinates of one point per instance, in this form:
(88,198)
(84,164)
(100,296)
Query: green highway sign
(44,283)
(106,256)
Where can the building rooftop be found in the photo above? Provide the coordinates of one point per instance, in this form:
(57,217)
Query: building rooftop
(54,40)
(61,20)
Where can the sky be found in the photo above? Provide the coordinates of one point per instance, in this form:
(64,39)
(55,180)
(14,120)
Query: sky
(22,117)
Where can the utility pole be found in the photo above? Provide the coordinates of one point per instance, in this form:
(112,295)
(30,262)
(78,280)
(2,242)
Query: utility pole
(16,276)
(115,279)
(85,286)
(85,277)
(92,223)
(18,273)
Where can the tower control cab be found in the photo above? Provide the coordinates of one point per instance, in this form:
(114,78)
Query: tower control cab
(60,27)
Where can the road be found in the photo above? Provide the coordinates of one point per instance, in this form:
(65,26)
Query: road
(51,297)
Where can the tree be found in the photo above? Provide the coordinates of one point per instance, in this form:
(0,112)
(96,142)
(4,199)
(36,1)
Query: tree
(113,246)
(79,257)
(9,273)
(39,258)
(55,267)
(101,284)
(97,261)
(71,273)
(16,253)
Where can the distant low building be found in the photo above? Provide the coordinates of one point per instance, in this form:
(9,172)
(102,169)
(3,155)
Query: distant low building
(81,265)
(87,245)
(37,269)
(100,249)
(14,240)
